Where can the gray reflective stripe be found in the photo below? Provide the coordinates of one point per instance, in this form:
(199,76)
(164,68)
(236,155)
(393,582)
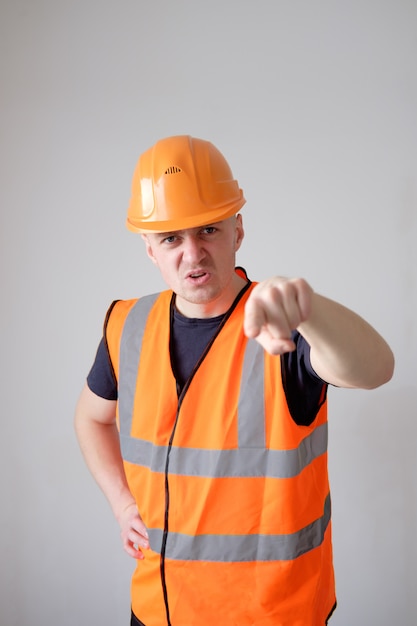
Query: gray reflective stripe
(238,548)
(242,462)
(251,405)
(130,349)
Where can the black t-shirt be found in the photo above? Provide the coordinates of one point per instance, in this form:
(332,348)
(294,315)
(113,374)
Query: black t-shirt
(304,390)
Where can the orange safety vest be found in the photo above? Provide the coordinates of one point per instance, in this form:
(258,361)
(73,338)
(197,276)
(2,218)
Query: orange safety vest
(234,494)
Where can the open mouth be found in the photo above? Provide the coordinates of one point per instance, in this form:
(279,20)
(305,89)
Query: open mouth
(198,277)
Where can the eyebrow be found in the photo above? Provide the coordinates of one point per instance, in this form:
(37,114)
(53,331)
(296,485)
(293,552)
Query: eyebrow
(174,233)
(169,233)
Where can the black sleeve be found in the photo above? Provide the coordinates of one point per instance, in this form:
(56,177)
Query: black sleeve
(101,379)
(304,389)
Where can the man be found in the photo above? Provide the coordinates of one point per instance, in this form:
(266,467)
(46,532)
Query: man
(204,416)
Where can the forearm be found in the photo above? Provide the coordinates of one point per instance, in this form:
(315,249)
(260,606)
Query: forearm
(99,443)
(95,425)
(345,350)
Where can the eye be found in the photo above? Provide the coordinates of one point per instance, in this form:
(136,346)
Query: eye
(169,239)
(209,230)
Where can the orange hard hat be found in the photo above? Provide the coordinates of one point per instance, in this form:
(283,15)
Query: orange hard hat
(182,182)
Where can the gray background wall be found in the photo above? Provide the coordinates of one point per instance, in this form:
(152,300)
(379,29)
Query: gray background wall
(314,104)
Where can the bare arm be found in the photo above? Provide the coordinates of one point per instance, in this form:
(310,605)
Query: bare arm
(345,350)
(95,426)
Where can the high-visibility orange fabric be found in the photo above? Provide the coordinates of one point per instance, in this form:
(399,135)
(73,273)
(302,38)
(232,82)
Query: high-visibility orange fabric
(295,592)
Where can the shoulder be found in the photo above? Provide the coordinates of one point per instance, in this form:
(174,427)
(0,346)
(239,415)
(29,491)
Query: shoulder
(133,313)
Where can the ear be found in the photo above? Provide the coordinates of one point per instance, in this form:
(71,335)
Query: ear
(240,233)
(149,250)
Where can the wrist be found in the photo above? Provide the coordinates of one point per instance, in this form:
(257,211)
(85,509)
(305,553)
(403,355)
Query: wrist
(120,509)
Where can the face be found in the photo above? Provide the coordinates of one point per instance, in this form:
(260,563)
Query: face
(198,265)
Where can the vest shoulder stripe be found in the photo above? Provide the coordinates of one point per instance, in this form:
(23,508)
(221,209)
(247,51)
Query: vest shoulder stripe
(130,349)
(251,405)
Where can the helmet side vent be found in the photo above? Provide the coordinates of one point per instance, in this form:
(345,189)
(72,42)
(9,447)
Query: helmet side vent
(173,169)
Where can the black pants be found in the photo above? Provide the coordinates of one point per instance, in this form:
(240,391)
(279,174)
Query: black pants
(134,621)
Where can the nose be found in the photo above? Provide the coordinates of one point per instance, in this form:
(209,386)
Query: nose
(193,250)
